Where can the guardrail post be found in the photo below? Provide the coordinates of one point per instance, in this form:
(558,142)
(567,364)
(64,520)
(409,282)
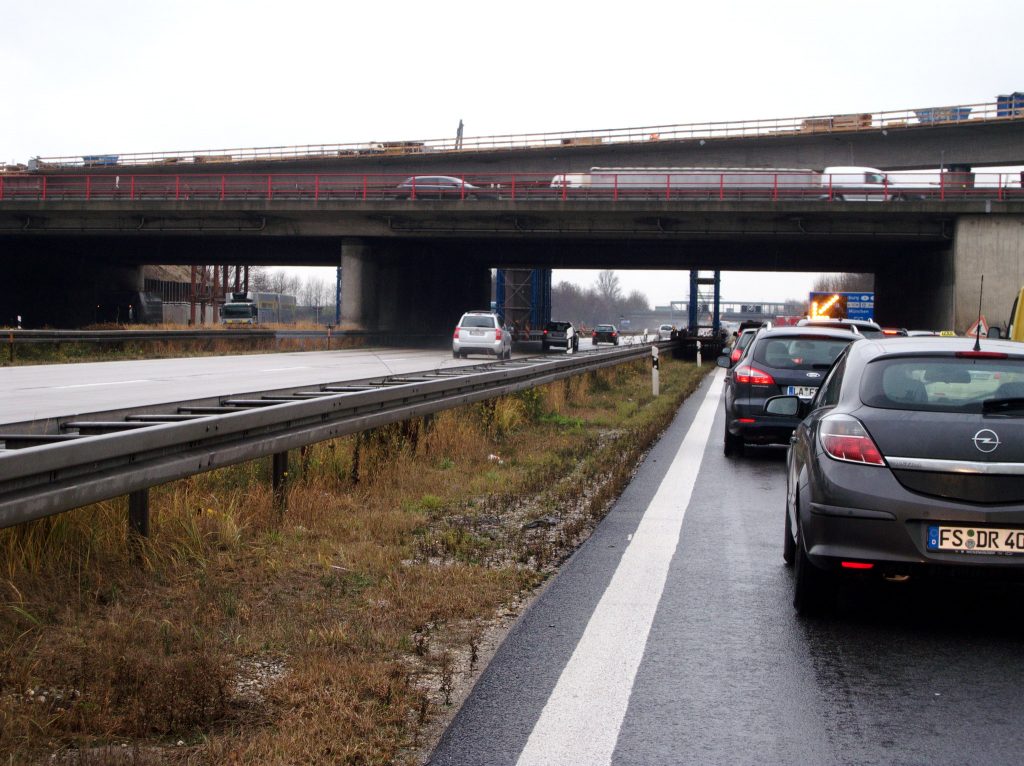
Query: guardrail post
(279,478)
(10,345)
(655,381)
(138,512)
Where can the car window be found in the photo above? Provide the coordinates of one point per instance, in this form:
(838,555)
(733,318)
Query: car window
(558,326)
(943,383)
(478,321)
(799,352)
(828,396)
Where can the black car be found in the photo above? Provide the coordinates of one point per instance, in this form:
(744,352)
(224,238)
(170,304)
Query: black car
(910,462)
(605,333)
(781,360)
(561,334)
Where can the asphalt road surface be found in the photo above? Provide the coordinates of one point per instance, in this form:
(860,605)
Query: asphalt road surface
(670,638)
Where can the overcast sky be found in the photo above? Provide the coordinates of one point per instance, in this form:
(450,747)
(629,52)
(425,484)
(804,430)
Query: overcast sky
(120,76)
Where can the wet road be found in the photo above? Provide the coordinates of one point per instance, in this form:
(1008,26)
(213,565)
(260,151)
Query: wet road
(669,638)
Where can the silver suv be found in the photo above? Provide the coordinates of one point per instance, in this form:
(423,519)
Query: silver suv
(481,332)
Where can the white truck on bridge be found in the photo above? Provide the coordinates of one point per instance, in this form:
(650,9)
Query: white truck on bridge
(851,183)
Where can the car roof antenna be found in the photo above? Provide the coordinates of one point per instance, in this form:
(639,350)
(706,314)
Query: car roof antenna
(977,334)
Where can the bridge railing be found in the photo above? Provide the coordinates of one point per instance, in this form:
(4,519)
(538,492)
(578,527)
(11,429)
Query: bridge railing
(1002,109)
(604,185)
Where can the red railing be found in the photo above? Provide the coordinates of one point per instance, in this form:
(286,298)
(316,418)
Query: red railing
(608,184)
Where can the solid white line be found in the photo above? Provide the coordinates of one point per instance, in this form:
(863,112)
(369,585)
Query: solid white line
(108,383)
(580,722)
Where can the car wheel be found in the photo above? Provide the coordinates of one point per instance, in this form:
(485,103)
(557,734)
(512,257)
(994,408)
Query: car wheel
(544,347)
(788,544)
(813,588)
(733,446)
(455,354)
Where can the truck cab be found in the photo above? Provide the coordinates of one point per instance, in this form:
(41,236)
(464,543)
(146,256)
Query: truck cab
(856,184)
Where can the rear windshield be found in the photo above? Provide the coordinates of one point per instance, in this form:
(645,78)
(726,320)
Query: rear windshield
(558,326)
(478,321)
(946,384)
(799,352)
(605,328)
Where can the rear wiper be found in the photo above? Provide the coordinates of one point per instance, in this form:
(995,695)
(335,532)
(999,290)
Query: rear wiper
(1002,406)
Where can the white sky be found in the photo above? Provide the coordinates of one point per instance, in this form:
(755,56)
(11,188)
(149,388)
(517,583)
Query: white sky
(120,76)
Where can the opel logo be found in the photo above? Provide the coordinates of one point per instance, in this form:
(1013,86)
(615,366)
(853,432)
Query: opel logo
(986,440)
(814,375)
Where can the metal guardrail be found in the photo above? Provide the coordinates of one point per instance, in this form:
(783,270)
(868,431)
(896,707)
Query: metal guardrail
(1002,109)
(97,459)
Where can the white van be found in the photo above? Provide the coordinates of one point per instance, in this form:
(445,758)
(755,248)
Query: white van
(856,184)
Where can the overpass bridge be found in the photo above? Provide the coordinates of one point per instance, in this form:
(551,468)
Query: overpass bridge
(68,230)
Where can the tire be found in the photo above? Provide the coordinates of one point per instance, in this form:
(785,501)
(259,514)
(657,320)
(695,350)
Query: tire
(814,589)
(455,354)
(733,445)
(544,347)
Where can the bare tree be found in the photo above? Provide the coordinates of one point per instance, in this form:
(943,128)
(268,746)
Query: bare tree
(846,282)
(608,286)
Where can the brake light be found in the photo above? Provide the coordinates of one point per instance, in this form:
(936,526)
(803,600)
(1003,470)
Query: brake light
(497,334)
(456,334)
(844,438)
(736,354)
(594,334)
(750,374)
(857,565)
(980,355)
(545,332)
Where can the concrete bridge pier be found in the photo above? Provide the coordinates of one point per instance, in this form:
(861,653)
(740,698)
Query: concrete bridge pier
(419,288)
(993,246)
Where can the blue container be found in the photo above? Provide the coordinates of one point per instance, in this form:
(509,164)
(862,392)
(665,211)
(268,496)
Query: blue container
(94,160)
(1010,106)
(942,114)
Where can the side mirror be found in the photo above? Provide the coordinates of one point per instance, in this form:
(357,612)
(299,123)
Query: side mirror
(783,405)
(724,361)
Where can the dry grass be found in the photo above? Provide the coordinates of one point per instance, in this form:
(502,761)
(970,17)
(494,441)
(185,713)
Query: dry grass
(336,631)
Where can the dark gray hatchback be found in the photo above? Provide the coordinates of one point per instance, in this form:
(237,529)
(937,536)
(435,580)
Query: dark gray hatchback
(910,461)
(781,360)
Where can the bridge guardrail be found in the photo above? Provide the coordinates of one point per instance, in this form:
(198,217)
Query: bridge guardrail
(1003,108)
(669,185)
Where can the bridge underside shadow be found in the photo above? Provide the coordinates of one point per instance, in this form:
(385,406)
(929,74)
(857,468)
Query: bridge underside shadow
(423,285)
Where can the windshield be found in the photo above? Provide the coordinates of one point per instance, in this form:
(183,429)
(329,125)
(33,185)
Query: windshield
(799,352)
(946,383)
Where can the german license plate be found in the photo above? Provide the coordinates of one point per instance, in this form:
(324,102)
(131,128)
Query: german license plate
(804,392)
(975,539)
(476,332)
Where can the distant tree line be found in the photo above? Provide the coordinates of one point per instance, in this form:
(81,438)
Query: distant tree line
(602,302)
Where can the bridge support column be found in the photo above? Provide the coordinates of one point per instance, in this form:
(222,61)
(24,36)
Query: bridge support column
(359,286)
(914,289)
(993,246)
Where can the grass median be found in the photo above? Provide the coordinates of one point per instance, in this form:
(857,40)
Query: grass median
(342,629)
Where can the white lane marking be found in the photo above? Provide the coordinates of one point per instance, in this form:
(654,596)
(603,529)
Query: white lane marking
(580,722)
(110,383)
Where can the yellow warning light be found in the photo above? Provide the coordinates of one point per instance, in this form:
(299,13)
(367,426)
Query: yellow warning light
(823,309)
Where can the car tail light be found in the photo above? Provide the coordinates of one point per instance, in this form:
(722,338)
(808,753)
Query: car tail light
(844,438)
(497,334)
(594,334)
(736,354)
(980,355)
(456,335)
(856,565)
(750,374)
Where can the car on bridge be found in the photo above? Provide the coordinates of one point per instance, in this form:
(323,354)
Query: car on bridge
(779,360)
(909,462)
(441,187)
